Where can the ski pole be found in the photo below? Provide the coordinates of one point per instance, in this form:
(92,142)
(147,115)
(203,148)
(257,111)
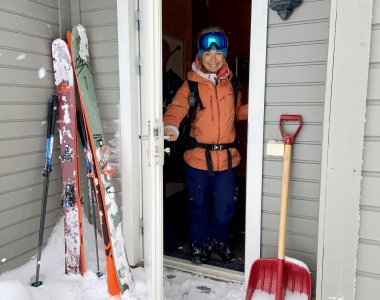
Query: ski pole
(51,119)
(83,138)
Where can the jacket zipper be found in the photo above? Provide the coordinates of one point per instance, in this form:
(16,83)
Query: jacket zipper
(217,103)
(212,109)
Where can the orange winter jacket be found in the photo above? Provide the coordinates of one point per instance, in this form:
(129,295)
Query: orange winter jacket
(215,124)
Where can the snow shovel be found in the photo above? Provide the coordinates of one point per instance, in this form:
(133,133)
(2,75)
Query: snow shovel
(277,275)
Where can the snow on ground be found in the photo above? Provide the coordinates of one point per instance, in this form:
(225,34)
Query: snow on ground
(15,284)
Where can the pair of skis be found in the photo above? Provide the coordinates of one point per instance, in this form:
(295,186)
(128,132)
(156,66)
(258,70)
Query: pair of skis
(72,64)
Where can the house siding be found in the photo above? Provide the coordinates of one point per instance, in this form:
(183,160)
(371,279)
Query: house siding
(368,267)
(295,84)
(27,29)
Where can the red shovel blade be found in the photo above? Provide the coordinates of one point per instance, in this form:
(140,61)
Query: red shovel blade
(263,276)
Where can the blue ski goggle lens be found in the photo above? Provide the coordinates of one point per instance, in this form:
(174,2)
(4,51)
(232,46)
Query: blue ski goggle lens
(212,41)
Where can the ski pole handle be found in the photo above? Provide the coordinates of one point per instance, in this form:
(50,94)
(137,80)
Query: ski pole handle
(49,117)
(54,115)
(51,120)
(288,137)
(53,123)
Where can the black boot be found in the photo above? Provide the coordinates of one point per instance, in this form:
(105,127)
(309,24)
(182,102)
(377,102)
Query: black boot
(224,251)
(200,255)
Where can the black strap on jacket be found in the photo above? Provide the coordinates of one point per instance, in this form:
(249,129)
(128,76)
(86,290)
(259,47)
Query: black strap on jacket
(194,101)
(190,142)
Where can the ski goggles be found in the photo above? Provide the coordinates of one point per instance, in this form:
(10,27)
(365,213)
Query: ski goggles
(212,41)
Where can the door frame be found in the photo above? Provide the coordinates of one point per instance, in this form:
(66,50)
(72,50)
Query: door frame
(130,129)
(255,139)
(343,149)
(139,26)
(132,123)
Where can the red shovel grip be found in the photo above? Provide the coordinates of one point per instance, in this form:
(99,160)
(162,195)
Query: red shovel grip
(288,137)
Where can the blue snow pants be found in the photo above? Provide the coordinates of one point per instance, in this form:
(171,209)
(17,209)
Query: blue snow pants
(211,204)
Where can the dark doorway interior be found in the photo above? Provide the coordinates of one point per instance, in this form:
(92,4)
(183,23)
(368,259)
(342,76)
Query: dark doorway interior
(183,20)
(176,227)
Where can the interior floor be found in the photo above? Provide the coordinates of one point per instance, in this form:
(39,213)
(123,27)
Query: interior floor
(177,220)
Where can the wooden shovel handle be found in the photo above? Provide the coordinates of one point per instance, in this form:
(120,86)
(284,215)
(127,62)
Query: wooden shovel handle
(284,201)
(288,141)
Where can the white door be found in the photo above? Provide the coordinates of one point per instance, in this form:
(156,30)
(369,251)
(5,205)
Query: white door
(140,71)
(152,148)
(152,151)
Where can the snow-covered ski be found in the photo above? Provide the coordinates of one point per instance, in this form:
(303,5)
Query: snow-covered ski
(118,272)
(71,202)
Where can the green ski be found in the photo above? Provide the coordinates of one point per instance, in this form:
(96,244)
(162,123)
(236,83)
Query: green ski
(118,271)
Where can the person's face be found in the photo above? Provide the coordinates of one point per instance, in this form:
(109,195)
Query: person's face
(213,61)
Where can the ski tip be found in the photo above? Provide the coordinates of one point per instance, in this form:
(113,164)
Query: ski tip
(59,42)
(78,28)
(68,38)
(78,25)
(60,46)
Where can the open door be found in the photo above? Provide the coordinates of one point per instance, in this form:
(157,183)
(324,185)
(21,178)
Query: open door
(152,152)
(139,38)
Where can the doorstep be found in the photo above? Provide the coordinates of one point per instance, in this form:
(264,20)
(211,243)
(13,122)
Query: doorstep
(204,270)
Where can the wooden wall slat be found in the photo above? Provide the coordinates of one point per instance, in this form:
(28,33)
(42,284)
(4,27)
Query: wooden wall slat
(309,132)
(368,268)
(303,189)
(312,93)
(27,26)
(97,18)
(298,206)
(309,33)
(366,262)
(304,170)
(32,10)
(370,190)
(313,11)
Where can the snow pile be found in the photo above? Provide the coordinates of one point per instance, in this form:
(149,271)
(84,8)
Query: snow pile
(260,295)
(15,284)
(115,146)
(297,262)
(180,285)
